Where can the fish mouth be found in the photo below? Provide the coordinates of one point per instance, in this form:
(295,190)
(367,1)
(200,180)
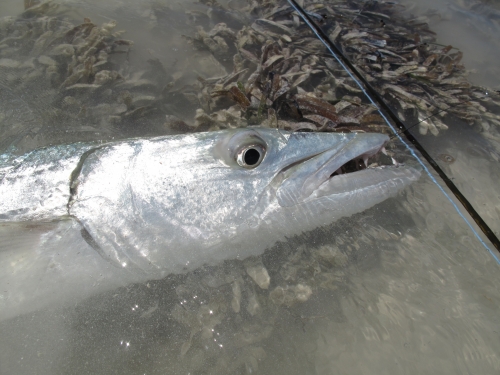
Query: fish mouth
(349,166)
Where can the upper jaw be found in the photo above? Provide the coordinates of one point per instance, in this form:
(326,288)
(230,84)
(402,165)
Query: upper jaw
(304,178)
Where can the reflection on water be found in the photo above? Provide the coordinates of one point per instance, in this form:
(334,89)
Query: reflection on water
(61,70)
(472,163)
(402,287)
(470,25)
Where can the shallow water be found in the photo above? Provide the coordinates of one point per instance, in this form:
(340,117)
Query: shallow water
(472,27)
(404,287)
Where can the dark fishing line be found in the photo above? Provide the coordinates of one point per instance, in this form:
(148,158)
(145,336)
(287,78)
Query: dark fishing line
(370,93)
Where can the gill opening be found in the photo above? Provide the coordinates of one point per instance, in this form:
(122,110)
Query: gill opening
(73,180)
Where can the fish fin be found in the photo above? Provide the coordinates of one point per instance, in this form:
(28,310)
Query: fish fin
(46,265)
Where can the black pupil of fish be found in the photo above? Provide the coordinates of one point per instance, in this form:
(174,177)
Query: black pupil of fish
(251,156)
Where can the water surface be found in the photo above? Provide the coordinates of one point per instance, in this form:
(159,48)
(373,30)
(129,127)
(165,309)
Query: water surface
(405,287)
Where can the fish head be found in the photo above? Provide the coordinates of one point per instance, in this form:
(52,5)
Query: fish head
(294,168)
(312,179)
(226,194)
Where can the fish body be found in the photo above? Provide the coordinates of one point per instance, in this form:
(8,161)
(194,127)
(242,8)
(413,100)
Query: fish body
(138,210)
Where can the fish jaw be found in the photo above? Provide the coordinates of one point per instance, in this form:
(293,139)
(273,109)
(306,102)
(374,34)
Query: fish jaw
(369,182)
(313,177)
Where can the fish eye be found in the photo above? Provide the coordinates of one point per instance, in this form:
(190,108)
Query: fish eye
(244,148)
(250,156)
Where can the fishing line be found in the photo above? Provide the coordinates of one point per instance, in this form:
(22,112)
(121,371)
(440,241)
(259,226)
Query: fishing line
(365,88)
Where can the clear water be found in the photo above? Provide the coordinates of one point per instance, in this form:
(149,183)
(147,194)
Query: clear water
(470,26)
(473,28)
(405,287)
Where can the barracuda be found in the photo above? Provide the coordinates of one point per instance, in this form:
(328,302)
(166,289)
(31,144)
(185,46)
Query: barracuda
(109,215)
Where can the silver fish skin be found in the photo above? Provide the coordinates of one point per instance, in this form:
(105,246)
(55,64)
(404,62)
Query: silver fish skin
(139,210)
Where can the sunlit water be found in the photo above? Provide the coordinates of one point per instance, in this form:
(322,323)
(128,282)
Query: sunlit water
(474,28)
(404,287)
(471,26)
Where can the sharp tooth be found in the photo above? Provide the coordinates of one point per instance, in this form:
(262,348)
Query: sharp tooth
(394,162)
(365,160)
(384,151)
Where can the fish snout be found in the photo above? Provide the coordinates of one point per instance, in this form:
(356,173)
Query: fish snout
(310,174)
